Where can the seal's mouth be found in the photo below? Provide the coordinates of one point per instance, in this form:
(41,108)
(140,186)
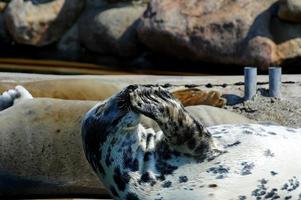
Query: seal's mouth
(131,122)
(130,127)
(123,99)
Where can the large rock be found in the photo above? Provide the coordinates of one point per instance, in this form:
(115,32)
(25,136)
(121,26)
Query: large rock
(41,23)
(287,36)
(2,6)
(111,31)
(220,31)
(132,1)
(4,36)
(290,10)
(69,44)
(92,4)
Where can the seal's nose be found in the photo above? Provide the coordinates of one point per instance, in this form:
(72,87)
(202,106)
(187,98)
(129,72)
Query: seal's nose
(131,88)
(123,98)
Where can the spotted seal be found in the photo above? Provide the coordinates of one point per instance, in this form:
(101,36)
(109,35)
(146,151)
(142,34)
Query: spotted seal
(185,160)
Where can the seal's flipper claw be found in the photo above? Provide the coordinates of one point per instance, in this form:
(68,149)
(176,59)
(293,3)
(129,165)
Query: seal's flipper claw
(13,96)
(143,105)
(5,101)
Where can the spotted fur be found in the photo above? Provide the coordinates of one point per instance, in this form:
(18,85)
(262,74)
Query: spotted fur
(185,160)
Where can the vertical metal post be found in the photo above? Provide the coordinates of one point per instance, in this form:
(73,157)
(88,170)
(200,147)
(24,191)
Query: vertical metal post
(250,82)
(275,81)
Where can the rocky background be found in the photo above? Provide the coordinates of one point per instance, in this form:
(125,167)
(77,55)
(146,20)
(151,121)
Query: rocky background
(143,33)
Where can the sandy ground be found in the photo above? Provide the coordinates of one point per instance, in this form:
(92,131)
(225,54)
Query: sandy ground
(284,111)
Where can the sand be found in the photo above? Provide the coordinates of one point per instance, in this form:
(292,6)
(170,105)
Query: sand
(284,111)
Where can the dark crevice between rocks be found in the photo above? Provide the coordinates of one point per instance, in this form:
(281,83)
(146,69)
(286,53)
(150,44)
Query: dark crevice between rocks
(143,63)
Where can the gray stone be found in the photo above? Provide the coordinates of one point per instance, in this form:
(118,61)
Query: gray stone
(92,4)
(4,35)
(69,43)
(2,6)
(132,1)
(222,31)
(111,31)
(290,10)
(40,23)
(287,36)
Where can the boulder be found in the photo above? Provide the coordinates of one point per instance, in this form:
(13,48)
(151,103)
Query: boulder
(132,1)
(287,36)
(92,4)
(111,31)
(221,31)
(69,44)
(4,35)
(40,23)
(290,10)
(2,6)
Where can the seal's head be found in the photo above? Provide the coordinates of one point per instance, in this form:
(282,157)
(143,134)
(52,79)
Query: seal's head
(113,114)
(110,119)
(118,112)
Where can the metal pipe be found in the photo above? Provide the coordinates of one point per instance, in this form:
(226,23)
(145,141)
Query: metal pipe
(250,82)
(275,81)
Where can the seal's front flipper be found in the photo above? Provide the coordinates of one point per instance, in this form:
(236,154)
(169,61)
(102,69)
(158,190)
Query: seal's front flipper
(182,131)
(13,96)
